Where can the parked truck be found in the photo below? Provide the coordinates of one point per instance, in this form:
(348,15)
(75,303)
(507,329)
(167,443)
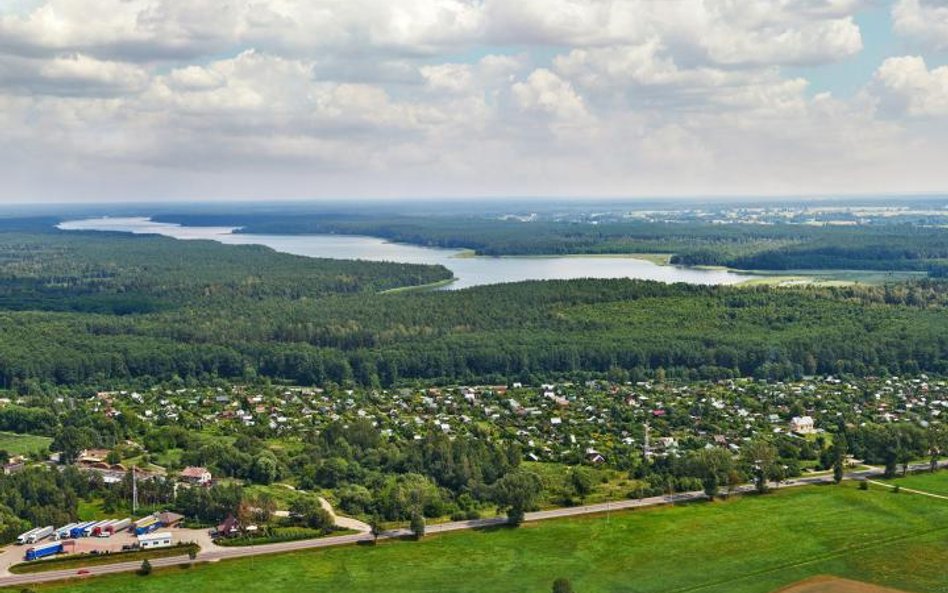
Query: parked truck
(21,539)
(117,526)
(39,534)
(99,529)
(90,529)
(78,530)
(147,525)
(44,550)
(64,531)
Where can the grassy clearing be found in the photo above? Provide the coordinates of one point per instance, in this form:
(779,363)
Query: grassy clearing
(825,278)
(429,286)
(23,444)
(91,510)
(86,560)
(749,545)
(936,483)
(608,484)
(283,495)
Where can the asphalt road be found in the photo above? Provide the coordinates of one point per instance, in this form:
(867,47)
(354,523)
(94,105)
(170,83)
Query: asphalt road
(218,553)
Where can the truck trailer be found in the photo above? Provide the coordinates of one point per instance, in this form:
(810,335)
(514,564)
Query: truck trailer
(147,525)
(50,549)
(99,529)
(78,530)
(89,531)
(117,526)
(64,531)
(39,533)
(21,539)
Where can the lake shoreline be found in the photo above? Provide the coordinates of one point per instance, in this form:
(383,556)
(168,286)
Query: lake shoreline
(468,268)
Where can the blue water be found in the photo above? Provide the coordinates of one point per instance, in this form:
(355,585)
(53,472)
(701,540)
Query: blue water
(468,271)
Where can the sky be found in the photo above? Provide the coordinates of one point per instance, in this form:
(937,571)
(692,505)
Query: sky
(150,100)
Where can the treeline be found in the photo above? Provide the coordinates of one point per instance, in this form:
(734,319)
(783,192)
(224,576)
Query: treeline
(744,246)
(525,331)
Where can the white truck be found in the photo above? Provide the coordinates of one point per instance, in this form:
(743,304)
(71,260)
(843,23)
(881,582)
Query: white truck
(38,534)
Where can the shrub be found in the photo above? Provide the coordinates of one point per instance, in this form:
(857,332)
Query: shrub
(863,485)
(145,569)
(418,525)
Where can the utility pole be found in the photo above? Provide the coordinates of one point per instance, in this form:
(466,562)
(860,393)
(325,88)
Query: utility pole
(134,490)
(646,450)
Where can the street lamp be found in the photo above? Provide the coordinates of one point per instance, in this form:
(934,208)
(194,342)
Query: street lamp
(252,529)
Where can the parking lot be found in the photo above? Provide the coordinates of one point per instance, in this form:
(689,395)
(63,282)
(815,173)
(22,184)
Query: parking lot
(13,554)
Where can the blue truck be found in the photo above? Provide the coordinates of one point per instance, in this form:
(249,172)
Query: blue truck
(79,530)
(146,525)
(50,549)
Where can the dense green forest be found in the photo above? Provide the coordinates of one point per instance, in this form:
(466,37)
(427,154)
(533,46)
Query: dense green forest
(743,246)
(101,308)
(122,273)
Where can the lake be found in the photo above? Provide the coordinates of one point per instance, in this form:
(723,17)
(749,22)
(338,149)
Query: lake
(468,270)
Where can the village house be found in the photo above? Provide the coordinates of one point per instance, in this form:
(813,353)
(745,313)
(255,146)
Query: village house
(228,528)
(93,458)
(198,476)
(802,425)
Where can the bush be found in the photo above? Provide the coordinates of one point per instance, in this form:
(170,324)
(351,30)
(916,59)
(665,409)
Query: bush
(275,536)
(417,525)
(863,485)
(897,489)
(562,585)
(145,569)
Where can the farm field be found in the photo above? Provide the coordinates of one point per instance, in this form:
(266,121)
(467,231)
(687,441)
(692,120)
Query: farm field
(23,444)
(749,545)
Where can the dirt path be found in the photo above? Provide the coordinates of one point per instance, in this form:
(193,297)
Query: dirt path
(830,584)
(344,522)
(910,490)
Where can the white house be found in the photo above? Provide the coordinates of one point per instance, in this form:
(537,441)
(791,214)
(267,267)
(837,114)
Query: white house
(802,425)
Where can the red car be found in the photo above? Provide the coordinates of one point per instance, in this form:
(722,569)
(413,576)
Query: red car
(83,572)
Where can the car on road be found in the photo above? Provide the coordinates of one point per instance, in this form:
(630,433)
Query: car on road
(83,572)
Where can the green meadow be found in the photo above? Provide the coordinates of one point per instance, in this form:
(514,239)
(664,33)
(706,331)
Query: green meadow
(22,444)
(753,544)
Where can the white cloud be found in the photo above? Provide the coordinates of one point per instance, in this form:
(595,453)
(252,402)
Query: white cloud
(925,21)
(905,84)
(230,98)
(546,92)
(74,74)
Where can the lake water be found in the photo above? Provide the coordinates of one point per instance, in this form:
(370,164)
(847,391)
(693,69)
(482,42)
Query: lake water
(469,271)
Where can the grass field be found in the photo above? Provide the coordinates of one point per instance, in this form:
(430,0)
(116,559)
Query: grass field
(22,444)
(935,483)
(749,545)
